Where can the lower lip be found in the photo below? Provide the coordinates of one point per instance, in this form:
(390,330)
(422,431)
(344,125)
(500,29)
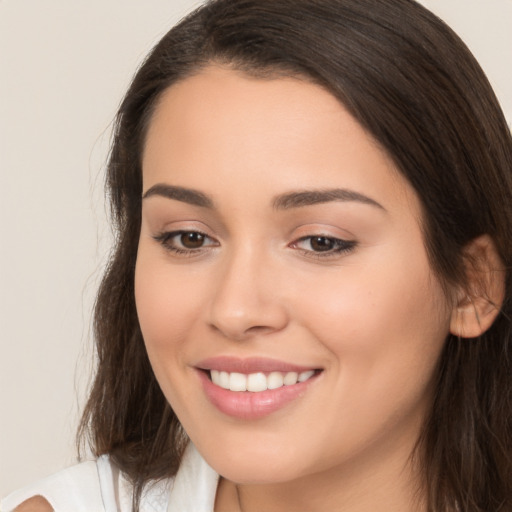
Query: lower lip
(248,405)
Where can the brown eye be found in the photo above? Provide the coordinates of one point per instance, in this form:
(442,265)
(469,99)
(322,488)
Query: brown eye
(192,240)
(322,246)
(185,242)
(321,243)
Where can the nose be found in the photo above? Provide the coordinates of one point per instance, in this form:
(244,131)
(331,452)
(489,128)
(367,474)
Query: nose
(247,301)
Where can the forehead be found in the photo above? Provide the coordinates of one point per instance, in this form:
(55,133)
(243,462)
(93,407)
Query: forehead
(242,104)
(222,127)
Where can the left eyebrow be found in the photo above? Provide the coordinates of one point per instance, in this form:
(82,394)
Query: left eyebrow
(185,195)
(303,198)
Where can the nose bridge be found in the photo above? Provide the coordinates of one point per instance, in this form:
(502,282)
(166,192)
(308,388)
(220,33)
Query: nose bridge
(245,301)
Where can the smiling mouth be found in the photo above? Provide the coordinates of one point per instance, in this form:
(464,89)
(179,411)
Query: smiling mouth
(251,389)
(259,381)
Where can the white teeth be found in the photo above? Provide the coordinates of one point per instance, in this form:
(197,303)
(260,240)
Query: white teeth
(237,382)
(256,382)
(224,380)
(306,375)
(291,378)
(275,380)
(220,378)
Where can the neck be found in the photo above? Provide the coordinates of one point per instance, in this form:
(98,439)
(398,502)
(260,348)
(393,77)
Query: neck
(392,484)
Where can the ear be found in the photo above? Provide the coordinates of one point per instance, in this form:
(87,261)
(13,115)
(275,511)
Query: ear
(478,302)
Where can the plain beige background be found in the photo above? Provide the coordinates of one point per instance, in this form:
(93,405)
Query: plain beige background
(64,66)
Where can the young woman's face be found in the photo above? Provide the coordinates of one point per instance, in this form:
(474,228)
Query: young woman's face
(280,250)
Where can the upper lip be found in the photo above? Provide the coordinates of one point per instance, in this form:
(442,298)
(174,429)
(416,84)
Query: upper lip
(250,365)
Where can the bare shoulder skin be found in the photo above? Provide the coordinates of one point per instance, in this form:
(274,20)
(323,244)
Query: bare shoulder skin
(35,504)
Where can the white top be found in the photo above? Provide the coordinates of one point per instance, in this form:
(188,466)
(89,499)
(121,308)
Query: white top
(100,487)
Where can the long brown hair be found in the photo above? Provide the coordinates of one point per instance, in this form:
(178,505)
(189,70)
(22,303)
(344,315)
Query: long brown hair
(411,83)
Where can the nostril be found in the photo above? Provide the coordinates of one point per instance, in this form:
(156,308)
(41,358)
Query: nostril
(240,332)
(260,329)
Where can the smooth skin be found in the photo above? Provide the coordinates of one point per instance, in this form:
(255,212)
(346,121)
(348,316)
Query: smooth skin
(35,504)
(343,285)
(235,260)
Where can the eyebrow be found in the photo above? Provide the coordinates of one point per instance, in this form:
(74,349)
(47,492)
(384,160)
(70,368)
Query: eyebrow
(311,197)
(185,195)
(286,201)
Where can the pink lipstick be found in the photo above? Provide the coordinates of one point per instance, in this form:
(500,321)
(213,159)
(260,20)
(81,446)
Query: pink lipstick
(253,388)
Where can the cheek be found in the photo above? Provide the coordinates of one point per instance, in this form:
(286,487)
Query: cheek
(385,334)
(384,328)
(166,309)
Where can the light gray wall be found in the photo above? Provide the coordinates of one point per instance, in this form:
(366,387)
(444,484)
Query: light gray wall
(63,69)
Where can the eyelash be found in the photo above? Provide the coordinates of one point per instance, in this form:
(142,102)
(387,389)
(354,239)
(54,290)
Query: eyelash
(339,246)
(166,240)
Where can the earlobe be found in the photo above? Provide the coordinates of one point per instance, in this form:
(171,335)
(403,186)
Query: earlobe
(480,300)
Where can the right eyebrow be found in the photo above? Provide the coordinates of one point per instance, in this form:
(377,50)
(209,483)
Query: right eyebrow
(185,195)
(303,198)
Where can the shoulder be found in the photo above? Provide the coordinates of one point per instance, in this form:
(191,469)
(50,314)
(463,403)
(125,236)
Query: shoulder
(34,504)
(76,488)
(97,486)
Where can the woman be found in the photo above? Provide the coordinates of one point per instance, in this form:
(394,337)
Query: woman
(308,305)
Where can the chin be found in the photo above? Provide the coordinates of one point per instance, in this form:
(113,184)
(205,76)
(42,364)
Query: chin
(255,473)
(256,464)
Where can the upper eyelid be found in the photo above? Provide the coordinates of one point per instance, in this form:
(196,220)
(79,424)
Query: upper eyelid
(327,228)
(325,235)
(176,232)
(348,241)
(188,226)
